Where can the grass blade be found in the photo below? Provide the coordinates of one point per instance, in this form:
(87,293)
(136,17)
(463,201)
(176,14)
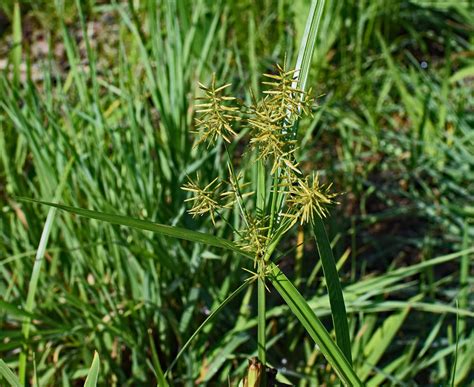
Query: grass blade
(380,341)
(93,374)
(33,285)
(160,376)
(261,329)
(336,298)
(169,231)
(7,373)
(17,42)
(314,327)
(308,42)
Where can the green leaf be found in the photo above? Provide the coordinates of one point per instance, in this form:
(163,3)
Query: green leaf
(394,365)
(160,376)
(306,50)
(35,274)
(459,75)
(333,285)
(170,231)
(261,327)
(225,351)
(7,373)
(17,42)
(380,341)
(93,374)
(314,327)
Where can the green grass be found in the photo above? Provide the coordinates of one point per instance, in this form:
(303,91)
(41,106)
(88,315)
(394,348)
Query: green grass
(393,136)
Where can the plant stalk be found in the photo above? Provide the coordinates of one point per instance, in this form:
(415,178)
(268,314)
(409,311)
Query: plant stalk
(261,339)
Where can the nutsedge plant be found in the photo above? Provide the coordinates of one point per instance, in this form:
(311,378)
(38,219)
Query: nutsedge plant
(270,121)
(291,198)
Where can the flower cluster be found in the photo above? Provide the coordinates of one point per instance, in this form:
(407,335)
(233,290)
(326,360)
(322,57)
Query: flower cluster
(269,137)
(274,118)
(271,122)
(206,200)
(254,237)
(216,116)
(307,198)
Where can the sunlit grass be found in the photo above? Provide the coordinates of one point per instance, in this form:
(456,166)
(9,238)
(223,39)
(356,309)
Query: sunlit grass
(392,131)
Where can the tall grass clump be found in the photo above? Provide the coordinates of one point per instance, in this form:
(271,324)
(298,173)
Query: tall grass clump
(307,241)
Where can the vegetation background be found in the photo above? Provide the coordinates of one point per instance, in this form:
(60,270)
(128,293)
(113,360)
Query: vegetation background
(111,86)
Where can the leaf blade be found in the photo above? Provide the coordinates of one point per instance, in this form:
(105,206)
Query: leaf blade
(313,326)
(128,221)
(333,285)
(7,373)
(93,374)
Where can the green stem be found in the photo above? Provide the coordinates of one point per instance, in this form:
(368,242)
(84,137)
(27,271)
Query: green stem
(261,188)
(261,316)
(239,196)
(273,211)
(17,43)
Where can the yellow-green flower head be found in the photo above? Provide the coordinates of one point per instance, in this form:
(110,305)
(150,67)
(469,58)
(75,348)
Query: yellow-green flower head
(308,198)
(205,200)
(215,115)
(286,99)
(254,237)
(273,118)
(268,137)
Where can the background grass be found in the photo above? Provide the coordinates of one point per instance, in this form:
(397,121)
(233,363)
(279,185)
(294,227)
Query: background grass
(111,87)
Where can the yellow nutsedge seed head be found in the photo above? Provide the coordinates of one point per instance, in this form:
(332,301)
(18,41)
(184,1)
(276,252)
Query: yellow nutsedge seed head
(254,237)
(216,117)
(308,198)
(205,200)
(274,116)
(283,96)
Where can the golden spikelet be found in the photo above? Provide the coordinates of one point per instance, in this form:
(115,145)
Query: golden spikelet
(274,116)
(269,138)
(308,198)
(254,237)
(205,200)
(215,115)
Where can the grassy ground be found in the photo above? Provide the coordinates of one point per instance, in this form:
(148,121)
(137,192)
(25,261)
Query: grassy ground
(113,101)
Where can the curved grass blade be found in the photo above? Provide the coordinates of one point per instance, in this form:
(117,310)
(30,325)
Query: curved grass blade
(314,327)
(156,363)
(169,231)
(93,374)
(333,285)
(206,321)
(9,376)
(380,341)
(35,274)
(306,50)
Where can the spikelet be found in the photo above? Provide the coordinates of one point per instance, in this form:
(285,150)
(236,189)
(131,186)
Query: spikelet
(274,116)
(205,200)
(307,198)
(254,237)
(215,115)
(288,101)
